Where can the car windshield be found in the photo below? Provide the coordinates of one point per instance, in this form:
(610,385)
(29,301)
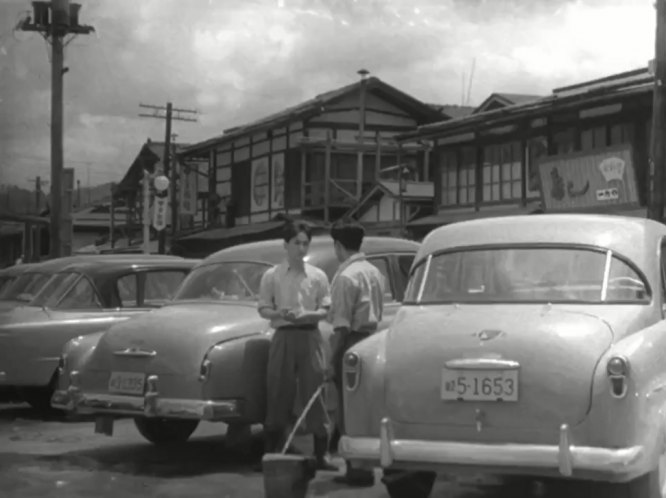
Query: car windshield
(5,281)
(230,280)
(524,275)
(53,291)
(24,287)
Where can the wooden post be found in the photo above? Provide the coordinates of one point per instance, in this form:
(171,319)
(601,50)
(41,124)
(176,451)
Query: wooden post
(112,217)
(658,145)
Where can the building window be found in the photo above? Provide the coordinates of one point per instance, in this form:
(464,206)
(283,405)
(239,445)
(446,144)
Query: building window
(537,148)
(467,176)
(563,141)
(448,167)
(621,133)
(593,138)
(502,172)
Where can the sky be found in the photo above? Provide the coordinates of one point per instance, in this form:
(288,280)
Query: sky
(238,60)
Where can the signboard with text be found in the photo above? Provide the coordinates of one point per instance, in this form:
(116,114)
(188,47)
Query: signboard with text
(594,179)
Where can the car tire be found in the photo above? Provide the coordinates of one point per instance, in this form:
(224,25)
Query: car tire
(161,431)
(402,484)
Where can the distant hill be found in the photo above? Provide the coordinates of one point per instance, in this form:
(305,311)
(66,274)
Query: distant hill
(23,201)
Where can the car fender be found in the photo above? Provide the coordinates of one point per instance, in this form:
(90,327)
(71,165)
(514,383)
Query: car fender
(364,407)
(638,418)
(75,354)
(238,371)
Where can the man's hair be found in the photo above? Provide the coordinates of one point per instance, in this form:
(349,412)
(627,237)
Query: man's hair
(349,234)
(292,228)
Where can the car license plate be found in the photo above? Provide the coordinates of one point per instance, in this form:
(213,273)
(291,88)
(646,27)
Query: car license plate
(127,383)
(480,385)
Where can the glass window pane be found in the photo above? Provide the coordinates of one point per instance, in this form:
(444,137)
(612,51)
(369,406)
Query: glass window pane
(496,192)
(506,190)
(486,193)
(516,170)
(463,178)
(382,265)
(81,296)
(496,173)
(506,172)
(453,177)
(463,196)
(486,172)
(471,195)
(128,291)
(516,192)
(161,286)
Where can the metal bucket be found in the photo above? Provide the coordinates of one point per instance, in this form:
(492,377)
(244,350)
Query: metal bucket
(287,476)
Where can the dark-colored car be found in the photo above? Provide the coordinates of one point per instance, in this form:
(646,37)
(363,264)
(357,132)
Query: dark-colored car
(83,297)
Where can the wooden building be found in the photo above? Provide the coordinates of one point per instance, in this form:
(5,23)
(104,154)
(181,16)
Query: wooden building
(315,160)
(584,148)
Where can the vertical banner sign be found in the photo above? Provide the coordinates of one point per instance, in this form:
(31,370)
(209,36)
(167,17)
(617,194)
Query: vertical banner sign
(277,182)
(188,188)
(259,185)
(160,213)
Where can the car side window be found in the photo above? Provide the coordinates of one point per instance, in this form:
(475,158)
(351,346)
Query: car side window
(128,290)
(383,265)
(82,296)
(161,286)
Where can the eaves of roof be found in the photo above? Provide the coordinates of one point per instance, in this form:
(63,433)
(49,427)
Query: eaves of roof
(542,107)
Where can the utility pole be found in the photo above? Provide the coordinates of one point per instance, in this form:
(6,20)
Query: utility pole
(658,144)
(54,21)
(169,116)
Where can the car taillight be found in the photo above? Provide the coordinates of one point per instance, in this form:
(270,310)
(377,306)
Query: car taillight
(204,371)
(351,367)
(617,369)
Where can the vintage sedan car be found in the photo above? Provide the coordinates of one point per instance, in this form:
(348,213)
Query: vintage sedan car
(83,297)
(27,279)
(204,355)
(525,346)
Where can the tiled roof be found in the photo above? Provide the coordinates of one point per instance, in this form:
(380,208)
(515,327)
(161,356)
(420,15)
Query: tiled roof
(317,105)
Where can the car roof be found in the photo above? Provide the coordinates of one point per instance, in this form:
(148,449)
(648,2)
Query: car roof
(321,247)
(16,269)
(104,267)
(58,263)
(634,238)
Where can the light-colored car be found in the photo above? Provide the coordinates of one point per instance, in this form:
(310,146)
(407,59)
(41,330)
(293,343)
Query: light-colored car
(204,355)
(83,297)
(526,346)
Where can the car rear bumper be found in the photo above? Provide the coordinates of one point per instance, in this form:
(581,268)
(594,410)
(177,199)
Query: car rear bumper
(151,404)
(564,459)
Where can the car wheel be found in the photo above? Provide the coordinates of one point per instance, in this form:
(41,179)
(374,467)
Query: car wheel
(404,484)
(164,431)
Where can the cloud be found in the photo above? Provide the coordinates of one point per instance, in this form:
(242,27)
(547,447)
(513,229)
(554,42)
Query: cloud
(238,61)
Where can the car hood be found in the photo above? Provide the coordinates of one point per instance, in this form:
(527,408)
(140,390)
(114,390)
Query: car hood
(178,332)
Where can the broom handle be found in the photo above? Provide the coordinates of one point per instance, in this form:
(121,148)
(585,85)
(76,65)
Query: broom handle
(304,414)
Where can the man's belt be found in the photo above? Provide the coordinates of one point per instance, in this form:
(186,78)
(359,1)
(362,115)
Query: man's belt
(299,326)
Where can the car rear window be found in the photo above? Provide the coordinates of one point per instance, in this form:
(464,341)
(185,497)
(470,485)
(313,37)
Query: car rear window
(526,274)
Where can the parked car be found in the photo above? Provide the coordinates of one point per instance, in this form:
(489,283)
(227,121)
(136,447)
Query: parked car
(531,345)
(29,278)
(83,297)
(10,274)
(203,356)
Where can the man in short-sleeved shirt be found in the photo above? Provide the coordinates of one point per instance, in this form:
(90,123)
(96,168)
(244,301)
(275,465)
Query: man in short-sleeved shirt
(295,296)
(357,305)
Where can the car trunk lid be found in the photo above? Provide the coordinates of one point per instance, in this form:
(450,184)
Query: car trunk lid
(501,365)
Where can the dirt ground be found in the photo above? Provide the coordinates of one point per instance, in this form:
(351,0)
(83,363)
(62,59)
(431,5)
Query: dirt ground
(54,457)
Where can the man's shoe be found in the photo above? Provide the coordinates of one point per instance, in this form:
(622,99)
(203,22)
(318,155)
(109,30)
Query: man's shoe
(321,454)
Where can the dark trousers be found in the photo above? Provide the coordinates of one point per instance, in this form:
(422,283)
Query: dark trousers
(296,357)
